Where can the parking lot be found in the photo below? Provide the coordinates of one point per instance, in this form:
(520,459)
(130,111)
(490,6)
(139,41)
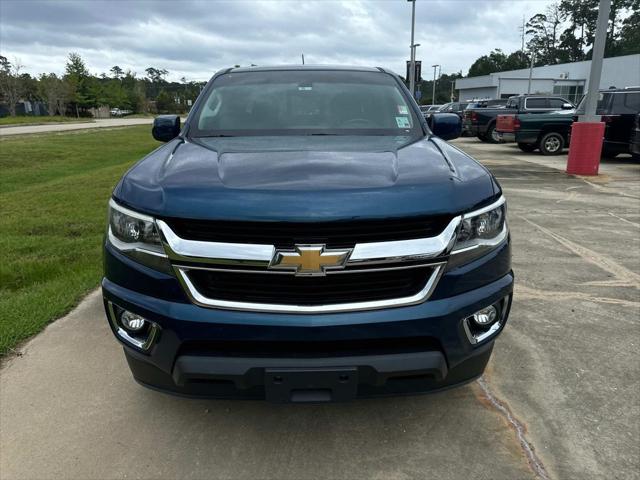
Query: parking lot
(559,399)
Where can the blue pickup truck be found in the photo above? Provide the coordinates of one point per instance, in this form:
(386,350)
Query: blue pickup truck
(306,236)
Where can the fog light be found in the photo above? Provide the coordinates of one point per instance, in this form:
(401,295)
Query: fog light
(131,321)
(486,316)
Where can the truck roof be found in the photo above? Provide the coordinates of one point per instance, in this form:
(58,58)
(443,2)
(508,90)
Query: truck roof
(356,68)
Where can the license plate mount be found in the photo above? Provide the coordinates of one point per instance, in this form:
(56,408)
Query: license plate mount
(310,385)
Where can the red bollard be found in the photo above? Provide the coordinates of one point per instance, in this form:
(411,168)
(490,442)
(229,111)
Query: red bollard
(585,148)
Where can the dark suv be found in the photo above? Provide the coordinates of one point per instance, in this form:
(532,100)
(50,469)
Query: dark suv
(306,236)
(619,109)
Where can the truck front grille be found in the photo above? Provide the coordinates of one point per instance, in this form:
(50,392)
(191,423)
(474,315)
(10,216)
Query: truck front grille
(344,288)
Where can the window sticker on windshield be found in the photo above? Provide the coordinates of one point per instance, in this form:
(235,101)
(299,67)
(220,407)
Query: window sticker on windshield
(305,88)
(403,110)
(403,122)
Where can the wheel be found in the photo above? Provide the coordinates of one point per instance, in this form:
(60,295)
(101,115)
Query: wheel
(551,143)
(482,138)
(492,135)
(527,147)
(609,154)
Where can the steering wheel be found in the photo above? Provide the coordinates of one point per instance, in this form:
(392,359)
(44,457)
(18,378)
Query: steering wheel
(358,122)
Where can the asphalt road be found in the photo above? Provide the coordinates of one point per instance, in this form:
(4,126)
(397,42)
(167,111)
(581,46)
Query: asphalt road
(65,127)
(560,399)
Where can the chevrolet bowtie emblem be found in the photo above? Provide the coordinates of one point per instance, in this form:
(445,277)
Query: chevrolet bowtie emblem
(309,259)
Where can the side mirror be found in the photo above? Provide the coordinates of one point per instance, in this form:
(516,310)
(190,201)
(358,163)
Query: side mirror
(166,127)
(447,126)
(567,106)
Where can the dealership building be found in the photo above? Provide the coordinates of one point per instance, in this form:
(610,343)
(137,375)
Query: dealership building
(569,80)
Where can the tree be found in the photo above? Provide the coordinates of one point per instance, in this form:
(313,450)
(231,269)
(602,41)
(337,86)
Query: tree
(629,42)
(164,102)
(516,61)
(50,89)
(156,75)
(75,66)
(494,62)
(29,87)
(565,32)
(11,85)
(67,93)
(117,72)
(77,77)
(544,29)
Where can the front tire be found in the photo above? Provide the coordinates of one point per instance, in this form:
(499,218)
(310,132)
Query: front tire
(609,153)
(527,147)
(551,143)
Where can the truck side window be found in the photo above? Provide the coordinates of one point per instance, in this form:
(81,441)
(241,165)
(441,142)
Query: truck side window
(556,103)
(536,103)
(625,103)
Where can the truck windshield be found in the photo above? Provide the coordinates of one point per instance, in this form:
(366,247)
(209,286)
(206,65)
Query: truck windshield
(305,102)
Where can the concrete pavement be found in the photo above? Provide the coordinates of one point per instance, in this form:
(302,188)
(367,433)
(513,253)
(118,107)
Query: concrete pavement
(65,127)
(560,399)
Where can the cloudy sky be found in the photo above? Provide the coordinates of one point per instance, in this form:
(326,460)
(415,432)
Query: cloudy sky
(196,38)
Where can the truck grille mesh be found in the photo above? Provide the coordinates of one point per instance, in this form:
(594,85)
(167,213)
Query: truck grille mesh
(296,290)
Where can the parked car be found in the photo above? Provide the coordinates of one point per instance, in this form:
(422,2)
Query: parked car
(453,107)
(303,238)
(619,110)
(116,112)
(427,109)
(547,132)
(481,122)
(492,103)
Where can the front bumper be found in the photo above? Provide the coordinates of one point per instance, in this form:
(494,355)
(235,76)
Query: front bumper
(286,357)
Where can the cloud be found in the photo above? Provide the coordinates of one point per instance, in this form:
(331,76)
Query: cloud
(196,38)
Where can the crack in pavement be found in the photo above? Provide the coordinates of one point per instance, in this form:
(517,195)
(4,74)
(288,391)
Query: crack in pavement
(623,274)
(625,220)
(608,190)
(501,407)
(535,294)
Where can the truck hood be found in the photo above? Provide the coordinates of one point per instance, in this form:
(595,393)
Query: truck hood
(305,178)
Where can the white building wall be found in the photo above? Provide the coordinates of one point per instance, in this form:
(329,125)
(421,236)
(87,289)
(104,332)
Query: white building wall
(616,71)
(478,93)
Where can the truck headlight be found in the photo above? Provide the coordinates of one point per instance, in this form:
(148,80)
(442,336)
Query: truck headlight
(480,231)
(136,235)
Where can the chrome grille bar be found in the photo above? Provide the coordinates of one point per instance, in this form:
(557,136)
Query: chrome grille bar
(237,255)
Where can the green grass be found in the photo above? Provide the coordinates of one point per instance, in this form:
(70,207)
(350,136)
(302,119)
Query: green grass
(33,120)
(54,190)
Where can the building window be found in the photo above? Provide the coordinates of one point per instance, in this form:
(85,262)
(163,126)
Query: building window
(573,93)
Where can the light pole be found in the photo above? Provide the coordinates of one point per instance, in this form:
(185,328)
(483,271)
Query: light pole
(588,131)
(591,101)
(533,58)
(412,63)
(433,96)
